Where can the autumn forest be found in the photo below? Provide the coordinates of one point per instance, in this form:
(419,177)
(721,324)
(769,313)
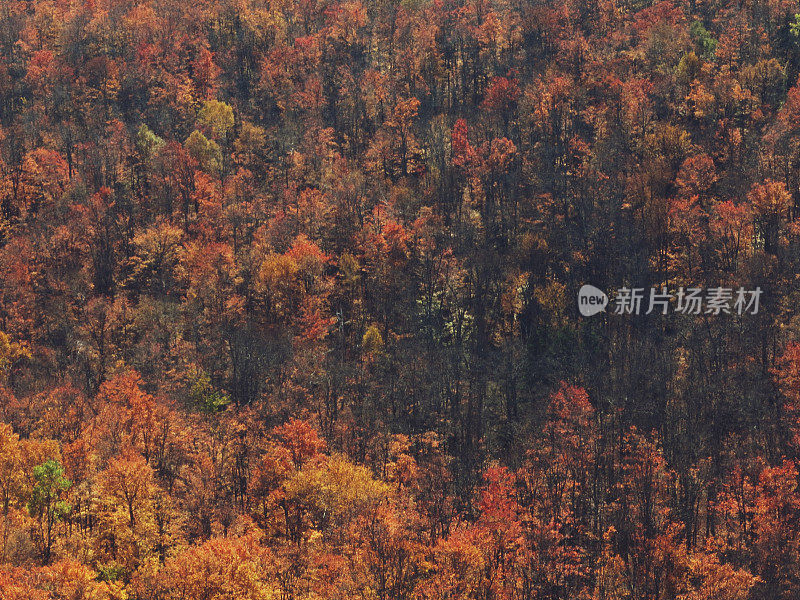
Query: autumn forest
(288,300)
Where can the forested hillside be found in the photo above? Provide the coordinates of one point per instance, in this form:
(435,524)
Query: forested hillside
(288,300)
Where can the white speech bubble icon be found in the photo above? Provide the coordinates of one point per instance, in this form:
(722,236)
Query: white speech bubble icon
(591,300)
